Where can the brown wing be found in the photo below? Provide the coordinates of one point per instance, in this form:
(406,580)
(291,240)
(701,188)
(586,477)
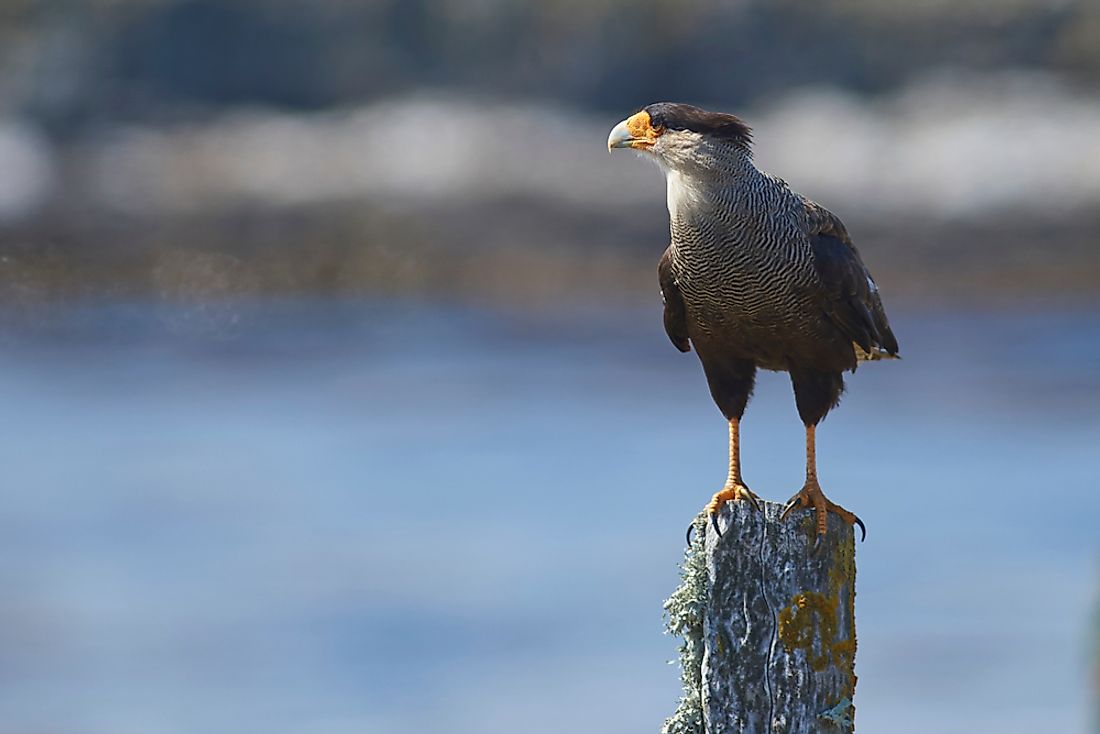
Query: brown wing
(675,313)
(850,297)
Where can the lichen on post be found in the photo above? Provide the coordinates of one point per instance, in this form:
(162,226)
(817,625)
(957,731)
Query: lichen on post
(684,612)
(768,628)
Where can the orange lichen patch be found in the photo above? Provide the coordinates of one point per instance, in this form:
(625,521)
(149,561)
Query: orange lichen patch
(642,131)
(842,571)
(809,624)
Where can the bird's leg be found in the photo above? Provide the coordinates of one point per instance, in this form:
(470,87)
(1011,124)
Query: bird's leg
(735,488)
(811,496)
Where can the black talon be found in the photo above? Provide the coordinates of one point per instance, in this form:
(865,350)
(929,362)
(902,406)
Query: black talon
(862,527)
(690,528)
(792,503)
(714,522)
(754,502)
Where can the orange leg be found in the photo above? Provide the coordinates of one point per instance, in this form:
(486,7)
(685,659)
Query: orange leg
(735,488)
(811,496)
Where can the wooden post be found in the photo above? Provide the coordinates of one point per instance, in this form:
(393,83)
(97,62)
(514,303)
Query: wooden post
(769,635)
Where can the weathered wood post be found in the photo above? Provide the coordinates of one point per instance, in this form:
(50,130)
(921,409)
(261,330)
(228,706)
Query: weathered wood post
(769,633)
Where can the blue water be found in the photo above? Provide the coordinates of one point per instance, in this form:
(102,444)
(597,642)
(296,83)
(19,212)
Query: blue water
(326,517)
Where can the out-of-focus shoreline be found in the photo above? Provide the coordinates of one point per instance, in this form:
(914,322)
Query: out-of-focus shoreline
(509,253)
(957,191)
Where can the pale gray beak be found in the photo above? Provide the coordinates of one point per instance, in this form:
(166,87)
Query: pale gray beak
(619,137)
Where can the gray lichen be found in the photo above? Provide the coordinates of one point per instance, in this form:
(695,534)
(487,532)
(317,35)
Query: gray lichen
(839,715)
(684,617)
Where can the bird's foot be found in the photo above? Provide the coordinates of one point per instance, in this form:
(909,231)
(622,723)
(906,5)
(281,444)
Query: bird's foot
(811,496)
(732,492)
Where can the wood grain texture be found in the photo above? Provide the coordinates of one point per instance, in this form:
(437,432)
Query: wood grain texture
(778,625)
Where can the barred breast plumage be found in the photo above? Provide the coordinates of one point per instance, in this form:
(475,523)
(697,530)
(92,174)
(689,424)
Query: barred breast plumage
(744,264)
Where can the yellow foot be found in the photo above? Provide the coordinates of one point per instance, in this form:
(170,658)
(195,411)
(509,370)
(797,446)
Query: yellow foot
(811,496)
(732,492)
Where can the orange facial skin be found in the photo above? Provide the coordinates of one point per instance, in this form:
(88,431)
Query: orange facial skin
(642,132)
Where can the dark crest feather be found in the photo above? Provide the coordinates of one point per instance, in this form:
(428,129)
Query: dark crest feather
(675,116)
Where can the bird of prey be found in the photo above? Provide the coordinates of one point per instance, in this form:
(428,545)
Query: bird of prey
(756,276)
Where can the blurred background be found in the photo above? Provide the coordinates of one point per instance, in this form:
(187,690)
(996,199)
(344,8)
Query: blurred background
(338,399)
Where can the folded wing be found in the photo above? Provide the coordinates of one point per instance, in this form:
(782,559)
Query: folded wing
(675,312)
(850,297)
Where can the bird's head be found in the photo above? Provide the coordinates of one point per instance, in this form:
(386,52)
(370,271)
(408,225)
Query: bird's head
(680,136)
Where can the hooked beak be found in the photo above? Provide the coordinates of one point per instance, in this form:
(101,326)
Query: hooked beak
(620,137)
(635,132)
